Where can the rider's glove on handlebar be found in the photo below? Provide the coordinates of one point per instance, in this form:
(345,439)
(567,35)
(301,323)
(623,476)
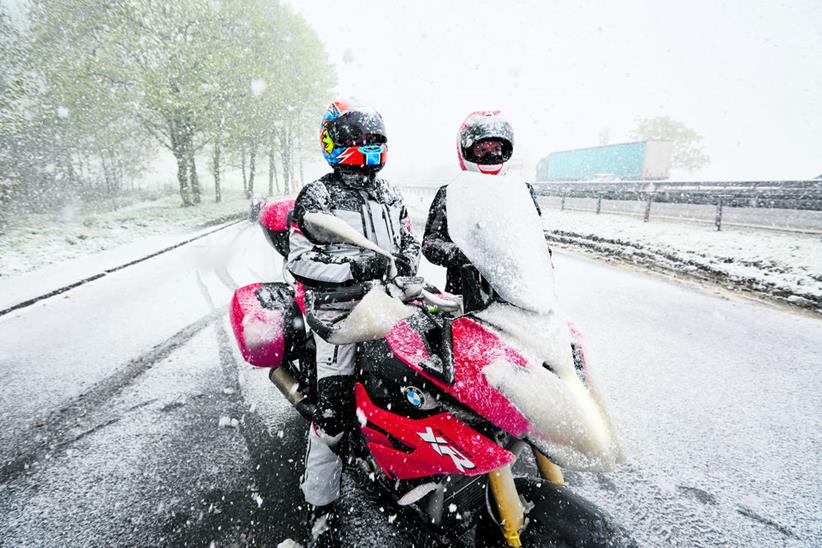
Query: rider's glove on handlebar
(404,265)
(369,265)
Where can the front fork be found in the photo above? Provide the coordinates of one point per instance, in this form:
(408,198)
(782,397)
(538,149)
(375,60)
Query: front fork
(547,469)
(511,512)
(506,497)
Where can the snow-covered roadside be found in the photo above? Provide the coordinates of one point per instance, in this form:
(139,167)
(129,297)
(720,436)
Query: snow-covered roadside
(781,266)
(37,241)
(23,289)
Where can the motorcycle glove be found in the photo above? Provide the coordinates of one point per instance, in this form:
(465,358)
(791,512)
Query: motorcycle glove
(369,265)
(404,265)
(456,256)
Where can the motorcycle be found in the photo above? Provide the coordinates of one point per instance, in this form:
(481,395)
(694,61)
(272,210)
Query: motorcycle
(451,391)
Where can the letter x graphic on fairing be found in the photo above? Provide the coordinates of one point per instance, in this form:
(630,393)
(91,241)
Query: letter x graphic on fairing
(442,448)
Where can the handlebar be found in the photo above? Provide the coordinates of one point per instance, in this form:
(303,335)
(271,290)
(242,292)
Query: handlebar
(353,293)
(412,289)
(444,304)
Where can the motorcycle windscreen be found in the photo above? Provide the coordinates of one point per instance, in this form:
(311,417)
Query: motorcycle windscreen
(494,222)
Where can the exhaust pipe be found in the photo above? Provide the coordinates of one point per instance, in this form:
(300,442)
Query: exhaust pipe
(290,388)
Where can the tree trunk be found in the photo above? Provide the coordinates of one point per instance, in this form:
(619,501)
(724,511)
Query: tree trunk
(242,167)
(178,149)
(182,176)
(192,172)
(252,164)
(109,175)
(272,170)
(118,161)
(302,173)
(215,164)
(285,157)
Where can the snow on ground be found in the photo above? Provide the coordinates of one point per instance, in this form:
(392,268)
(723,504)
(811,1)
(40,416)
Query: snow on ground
(145,461)
(34,241)
(719,422)
(782,265)
(699,386)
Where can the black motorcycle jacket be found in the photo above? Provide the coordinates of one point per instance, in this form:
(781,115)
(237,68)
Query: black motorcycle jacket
(370,205)
(437,245)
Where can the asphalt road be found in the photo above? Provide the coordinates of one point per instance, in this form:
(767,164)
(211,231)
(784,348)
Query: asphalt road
(112,396)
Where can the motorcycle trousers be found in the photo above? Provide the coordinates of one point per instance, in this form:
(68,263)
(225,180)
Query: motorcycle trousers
(323,468)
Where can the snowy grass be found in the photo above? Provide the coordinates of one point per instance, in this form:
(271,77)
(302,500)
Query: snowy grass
(780,265)
(34,241)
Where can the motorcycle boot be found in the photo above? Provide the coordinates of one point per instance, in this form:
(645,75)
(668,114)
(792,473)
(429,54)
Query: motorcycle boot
(324,522)
(335,415)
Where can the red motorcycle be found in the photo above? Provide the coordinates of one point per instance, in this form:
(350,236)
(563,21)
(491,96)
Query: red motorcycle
(450,392)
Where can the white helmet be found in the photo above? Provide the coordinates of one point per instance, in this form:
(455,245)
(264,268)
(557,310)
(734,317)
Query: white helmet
(485,143)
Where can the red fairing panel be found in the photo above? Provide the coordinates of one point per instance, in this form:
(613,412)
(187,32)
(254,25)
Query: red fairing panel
(475,347)
(440,444)
(299,296)
(274,215)
(258,330)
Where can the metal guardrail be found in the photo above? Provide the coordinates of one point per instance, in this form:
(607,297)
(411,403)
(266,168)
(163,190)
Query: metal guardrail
(744,197)
(797,195)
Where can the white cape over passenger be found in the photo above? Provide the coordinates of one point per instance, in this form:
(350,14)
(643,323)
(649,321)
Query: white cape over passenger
(494,222)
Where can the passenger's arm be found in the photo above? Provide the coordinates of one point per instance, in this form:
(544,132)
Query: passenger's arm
(409,257)
(534,197)
(436,244)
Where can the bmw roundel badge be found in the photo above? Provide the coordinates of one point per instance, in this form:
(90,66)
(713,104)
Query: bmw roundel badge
(414,396)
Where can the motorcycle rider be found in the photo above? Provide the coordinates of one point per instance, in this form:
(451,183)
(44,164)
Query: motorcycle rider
(485,143)
(354,144)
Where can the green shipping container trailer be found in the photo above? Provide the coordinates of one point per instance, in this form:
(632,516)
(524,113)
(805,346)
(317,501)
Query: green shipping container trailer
(643,160)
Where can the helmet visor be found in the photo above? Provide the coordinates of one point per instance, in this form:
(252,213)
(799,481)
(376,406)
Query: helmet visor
(487,129)
(489,151)
(358,128)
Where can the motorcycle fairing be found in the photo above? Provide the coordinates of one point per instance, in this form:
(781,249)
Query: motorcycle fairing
(474,347)
(425,345)
(407,448)
(567,415)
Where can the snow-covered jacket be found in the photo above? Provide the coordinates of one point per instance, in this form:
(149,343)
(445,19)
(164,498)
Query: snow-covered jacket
(370,205)
(437,245)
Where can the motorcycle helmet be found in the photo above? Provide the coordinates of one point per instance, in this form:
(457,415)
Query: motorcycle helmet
(485,143)
(353,138)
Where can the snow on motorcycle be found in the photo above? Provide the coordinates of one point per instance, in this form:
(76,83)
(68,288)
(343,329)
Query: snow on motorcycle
(451,391)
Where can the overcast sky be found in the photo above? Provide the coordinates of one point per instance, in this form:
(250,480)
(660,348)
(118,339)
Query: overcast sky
(746,75)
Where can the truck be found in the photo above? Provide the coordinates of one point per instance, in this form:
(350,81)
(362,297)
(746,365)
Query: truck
(637,161)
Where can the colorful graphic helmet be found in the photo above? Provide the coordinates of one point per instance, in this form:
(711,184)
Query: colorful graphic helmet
(485,143)
(353,138)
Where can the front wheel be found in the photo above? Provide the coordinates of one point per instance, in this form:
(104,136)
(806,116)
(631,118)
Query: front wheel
(559,519)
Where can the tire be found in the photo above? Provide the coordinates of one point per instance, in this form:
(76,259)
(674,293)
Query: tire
(559,519)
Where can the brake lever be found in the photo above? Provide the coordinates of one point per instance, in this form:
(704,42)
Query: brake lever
(441,303)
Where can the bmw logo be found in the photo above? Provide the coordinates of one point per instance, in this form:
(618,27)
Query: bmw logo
(413,395)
